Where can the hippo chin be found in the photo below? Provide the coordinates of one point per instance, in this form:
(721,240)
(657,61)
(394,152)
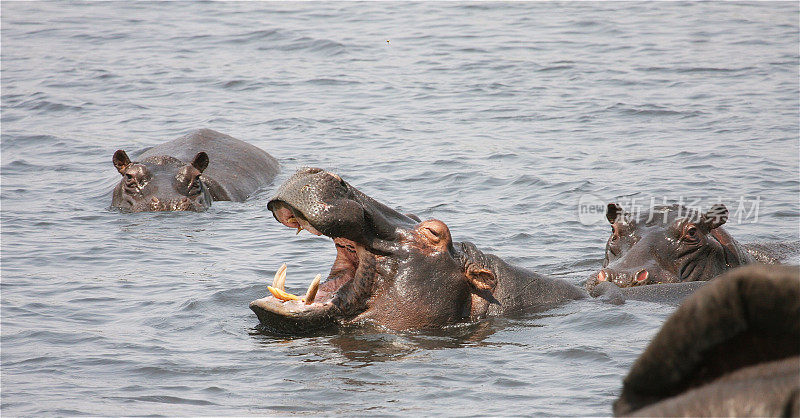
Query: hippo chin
(391,269)
(670,244)
(188,173)
(731,349)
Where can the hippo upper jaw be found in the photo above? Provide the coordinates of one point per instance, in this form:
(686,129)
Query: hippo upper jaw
(332,207)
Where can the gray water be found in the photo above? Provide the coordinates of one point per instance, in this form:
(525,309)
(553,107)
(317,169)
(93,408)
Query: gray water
(495,118)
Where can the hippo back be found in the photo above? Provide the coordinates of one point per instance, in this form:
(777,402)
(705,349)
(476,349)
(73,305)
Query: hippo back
(783,252)
(235,170)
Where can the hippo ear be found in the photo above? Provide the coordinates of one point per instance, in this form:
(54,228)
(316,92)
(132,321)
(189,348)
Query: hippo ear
(613,212)
(200,161)
(480,278)
(121,160)
(715,217)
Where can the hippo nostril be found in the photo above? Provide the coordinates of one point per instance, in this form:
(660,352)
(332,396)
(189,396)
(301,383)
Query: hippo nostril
(641,275)
(185,200)
(154,199)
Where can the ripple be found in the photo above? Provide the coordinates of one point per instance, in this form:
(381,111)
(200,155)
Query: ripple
(162,399)
(651,110)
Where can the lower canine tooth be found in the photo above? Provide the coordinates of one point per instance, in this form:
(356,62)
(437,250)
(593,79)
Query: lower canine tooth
(312,290)
(280,278)
(280,294)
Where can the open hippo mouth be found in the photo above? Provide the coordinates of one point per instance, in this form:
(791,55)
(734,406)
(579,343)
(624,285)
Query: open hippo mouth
(319,307)
(323,204)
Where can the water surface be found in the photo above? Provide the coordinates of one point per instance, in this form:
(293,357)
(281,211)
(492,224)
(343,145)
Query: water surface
(495,118)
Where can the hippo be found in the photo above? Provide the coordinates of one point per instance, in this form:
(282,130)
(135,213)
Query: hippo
(731,349)
(391,269)
(670,244)
(187,173)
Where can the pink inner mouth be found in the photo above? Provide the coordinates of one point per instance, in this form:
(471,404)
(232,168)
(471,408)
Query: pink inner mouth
(285,215)
(344,266)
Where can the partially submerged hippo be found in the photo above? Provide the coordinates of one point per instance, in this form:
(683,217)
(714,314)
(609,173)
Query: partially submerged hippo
(731,349)
(391,268)
(670,244)
(191,171)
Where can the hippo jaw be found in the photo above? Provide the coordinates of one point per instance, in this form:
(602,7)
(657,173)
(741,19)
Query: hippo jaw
(390,269)
(160,184)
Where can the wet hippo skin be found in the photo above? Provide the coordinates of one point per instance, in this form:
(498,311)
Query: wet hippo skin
(730,349)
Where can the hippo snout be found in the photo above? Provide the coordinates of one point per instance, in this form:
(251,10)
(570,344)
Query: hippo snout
(623,278)
(178,204)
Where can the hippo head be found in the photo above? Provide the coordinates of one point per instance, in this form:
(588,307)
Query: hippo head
(160,183)
(667,245)
(390,269)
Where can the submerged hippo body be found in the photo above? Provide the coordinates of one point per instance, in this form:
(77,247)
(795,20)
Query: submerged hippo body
(670,244)
(191,171)
(392,269)
(731,349)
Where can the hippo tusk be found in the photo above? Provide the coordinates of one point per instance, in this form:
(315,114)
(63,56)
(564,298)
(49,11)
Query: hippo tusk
(279,281)
(292,220)
(280,294)
(312,290)
(278,288)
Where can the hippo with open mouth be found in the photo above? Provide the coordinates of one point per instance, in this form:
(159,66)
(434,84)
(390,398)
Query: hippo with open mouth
(188,173)
(391,269)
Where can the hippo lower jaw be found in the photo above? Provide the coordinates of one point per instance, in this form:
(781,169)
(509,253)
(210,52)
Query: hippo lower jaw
(293,317)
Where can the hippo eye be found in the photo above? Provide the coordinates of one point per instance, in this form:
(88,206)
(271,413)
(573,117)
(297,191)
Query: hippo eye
(433,235)
(130,181)
(195,185)
(691,234)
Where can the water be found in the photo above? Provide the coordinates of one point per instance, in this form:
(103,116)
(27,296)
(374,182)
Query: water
(496,118)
